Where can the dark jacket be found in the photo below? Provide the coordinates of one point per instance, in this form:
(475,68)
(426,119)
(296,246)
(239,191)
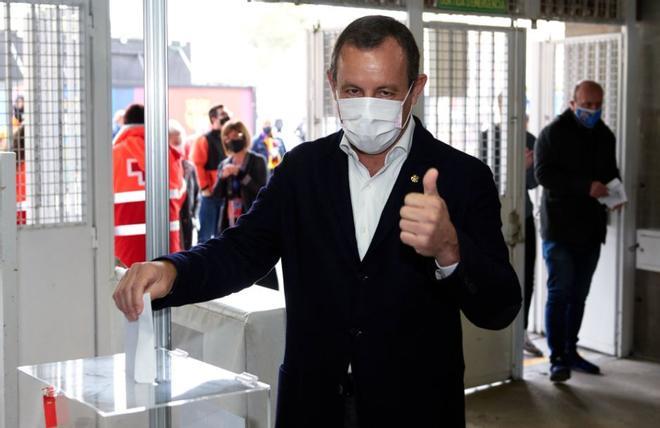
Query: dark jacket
(190,204)
(568,157)
(530,178)
(253,176)
(387,315)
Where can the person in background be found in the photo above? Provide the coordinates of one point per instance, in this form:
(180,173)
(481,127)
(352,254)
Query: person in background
(18,147)
(4,146)
(117,121)
(240,177)
(279,124)
(530,238)
(128,167)
(574,159)
(188,213)
(188,144)
(206,155)
(268,146)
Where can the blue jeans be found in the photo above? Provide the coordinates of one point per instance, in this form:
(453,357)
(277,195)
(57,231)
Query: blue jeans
(570,269)
(209,211)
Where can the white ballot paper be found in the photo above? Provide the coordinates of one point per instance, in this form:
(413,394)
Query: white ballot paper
(617,194)
(140,346)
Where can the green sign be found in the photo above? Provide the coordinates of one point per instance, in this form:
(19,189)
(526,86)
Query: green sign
(482,6)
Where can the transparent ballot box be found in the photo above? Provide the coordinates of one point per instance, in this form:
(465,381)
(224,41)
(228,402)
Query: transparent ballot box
(94,392)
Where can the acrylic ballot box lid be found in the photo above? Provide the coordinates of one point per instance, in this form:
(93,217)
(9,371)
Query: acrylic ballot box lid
(100,383)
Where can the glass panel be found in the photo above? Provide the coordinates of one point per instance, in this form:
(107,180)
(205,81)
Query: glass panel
(100,383)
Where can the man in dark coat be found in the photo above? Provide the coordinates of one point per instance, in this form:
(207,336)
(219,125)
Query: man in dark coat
(574,159)
(188,212)
(385,234)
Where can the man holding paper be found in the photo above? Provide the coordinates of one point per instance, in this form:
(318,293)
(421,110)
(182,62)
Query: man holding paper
(575,162)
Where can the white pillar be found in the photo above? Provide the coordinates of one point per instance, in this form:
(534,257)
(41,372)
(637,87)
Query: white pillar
(416,26)
(8,293)
(629,150)
(156,163)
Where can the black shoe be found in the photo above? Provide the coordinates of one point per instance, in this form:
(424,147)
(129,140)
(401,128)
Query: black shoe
(559,373)
(580,364)
(559,369)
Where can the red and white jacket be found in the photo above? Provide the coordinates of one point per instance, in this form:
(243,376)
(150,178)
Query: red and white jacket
(130,195)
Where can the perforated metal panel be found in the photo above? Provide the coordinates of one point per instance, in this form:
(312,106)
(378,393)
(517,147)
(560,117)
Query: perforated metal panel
(467,97)
(597,58)
(582,10)
(42,53)
(329,38)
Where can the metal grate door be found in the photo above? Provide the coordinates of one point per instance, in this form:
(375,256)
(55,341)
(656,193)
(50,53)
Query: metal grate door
(474,101)
(466,101)
(596,58)
(42,57)
(322,117)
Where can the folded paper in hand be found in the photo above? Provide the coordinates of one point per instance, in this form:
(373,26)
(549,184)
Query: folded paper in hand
(140,346)
(617,194)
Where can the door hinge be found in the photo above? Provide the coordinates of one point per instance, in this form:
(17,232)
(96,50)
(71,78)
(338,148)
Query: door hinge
(95,240)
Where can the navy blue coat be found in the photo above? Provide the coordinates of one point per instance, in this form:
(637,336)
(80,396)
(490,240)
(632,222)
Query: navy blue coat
(387,315)
(567,158)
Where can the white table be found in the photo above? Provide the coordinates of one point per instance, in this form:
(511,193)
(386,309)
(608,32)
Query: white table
(243,332)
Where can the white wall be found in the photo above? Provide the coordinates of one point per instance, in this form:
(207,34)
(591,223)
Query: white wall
(8,313)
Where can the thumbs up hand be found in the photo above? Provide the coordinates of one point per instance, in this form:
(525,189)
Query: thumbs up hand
(425,223)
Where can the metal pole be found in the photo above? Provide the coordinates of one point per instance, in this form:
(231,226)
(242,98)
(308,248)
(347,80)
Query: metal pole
(629,148)
(156,162)
(415,9)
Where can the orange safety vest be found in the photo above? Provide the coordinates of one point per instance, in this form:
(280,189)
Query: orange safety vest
(18,140)
(273,150)
(130,195)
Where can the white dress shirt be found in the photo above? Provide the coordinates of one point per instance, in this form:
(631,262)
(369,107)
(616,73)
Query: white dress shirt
(369,194)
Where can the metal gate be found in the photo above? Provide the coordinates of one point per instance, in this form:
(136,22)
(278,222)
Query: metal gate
(46,62)
(599,58)
(474,101)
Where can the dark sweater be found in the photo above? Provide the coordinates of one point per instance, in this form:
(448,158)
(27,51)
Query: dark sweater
(568,157)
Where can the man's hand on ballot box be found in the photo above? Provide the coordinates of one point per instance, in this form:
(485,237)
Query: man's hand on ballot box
(156,278)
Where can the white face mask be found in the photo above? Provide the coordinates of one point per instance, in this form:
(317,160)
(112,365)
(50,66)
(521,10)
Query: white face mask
(372,124)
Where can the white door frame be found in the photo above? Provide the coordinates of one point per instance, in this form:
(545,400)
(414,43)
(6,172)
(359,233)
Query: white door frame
(630,149)
(100,155)
(622,224)
(512,211)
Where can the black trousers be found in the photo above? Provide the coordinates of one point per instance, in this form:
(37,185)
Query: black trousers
(530,261)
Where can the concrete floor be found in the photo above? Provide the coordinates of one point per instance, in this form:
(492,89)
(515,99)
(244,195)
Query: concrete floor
(627,394)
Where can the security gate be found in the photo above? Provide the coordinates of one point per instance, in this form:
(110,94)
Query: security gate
(474,101)
(47,53)
(566,62)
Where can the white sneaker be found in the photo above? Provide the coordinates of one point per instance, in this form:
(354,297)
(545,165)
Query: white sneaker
(530,348)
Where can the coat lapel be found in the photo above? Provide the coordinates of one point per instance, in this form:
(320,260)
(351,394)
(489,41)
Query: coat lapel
(409,180)
(338,188)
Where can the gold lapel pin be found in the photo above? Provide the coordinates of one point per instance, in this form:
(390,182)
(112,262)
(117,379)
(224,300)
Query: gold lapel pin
(414,178)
